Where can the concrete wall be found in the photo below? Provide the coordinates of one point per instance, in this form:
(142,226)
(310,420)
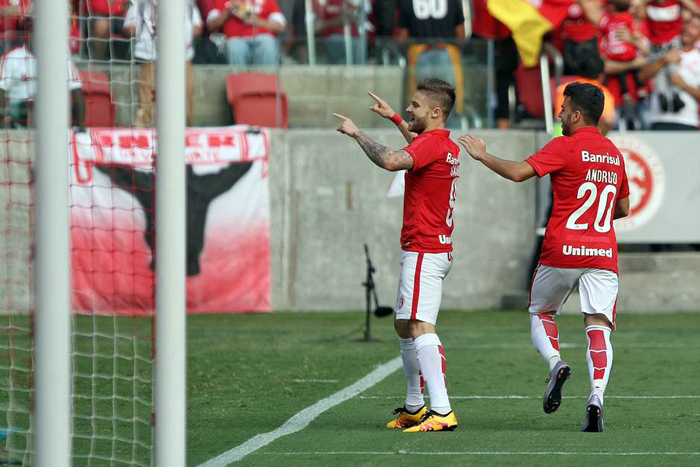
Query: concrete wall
(328,199)
(16,220)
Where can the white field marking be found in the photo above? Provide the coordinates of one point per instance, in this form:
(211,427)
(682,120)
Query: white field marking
(314,380)
(302,419)
(539,397)
(566,345)
(495,453)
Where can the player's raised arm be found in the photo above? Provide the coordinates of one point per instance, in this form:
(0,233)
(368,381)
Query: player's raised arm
(381,107)
(381,155)
(512,170)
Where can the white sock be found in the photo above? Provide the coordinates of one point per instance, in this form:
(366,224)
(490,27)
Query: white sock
(411,368)
(599,356)
(545,336)
(431,358)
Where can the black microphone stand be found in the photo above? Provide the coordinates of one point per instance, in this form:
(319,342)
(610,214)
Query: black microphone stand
(371,299)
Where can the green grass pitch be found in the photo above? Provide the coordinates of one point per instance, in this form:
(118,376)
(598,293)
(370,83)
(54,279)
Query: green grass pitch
(248,374)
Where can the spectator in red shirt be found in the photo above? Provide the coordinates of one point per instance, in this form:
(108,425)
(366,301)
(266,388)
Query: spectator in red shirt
(104,17)
(579,35)
(665,23)
(333,15)
(13,14)
(624,49)
(620,40)
(250,27)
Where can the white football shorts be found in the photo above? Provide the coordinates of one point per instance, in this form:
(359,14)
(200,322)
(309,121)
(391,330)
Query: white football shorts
(420,285)
(552,286)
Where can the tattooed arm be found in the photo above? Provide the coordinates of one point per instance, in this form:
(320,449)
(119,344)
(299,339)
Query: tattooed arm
(384,157)
(381,155)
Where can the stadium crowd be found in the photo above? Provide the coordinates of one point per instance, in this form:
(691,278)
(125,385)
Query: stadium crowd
(644,54)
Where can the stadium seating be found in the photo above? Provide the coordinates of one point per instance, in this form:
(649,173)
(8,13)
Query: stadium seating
(529,87)
(257,99)
(99,108)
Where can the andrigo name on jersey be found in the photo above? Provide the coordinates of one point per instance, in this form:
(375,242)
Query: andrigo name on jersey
(603,158)
(569,250)
(601,176)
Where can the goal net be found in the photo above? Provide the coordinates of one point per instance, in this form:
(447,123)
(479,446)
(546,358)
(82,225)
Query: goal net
(111,208)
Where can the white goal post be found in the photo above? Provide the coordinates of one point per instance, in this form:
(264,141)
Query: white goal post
(54,414)
(53,322)
(171,339)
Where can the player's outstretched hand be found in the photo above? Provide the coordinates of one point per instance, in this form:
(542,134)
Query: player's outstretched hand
(474,146)
(381,107)
(347,126)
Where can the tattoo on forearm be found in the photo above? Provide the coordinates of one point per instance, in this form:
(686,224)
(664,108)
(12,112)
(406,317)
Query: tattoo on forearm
(374,150)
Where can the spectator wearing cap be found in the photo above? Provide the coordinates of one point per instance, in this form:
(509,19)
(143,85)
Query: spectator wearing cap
(250,27)
(686,79)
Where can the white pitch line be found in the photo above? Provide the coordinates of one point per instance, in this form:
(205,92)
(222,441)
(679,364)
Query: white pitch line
(566,345)
(540,397)
(495,453)
(302,419)
(314,380)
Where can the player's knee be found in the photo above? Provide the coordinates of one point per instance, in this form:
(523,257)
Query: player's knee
(418,328)
(403,328)
(597,319)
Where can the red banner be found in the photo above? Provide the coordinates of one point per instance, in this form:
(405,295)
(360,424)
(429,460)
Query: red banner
(113,221)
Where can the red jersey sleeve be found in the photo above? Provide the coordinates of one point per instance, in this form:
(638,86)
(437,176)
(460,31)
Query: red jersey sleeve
(420,152)
(550,158)
(624,186)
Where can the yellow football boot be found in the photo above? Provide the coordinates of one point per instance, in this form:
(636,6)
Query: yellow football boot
(434,422)
(405,419)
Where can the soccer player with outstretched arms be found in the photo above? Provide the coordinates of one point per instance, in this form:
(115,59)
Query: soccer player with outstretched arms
(432,168)
(580,249)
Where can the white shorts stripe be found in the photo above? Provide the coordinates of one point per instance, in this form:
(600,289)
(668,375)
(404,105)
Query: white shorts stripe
(420,285)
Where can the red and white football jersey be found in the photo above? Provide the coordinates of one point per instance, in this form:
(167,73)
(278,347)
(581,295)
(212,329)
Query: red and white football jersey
(588,177)
(268,10)
(610,45)
(576,27)
(429,199)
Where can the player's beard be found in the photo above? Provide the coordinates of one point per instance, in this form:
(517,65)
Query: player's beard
(416,126)
(565,127)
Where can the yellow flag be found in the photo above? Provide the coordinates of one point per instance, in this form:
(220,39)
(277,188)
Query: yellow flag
(526,23)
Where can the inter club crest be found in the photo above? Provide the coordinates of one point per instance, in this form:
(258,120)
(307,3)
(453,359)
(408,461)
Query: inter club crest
(647,180)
